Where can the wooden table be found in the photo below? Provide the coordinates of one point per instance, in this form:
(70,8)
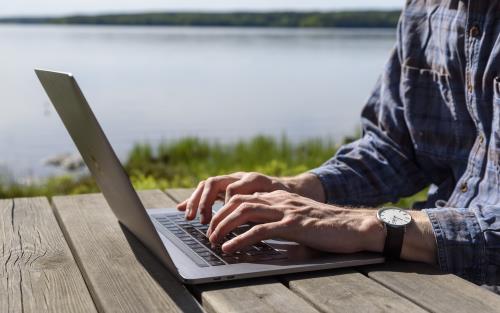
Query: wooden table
(71,255)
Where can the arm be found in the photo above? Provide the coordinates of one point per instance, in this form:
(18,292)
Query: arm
(284,215)
(380,167)
(307,185)
(419,242)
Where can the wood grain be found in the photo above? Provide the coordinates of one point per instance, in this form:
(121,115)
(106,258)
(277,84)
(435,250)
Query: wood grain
(38,272)
(433,290)
(347,291)
(251,295)
(122,275)
(179,195)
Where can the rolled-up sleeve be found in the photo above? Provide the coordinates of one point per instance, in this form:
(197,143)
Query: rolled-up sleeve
(468,242)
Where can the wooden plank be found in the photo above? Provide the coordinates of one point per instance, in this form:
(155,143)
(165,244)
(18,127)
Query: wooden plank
(38,272)
(251,295)
(347,291)
(433,290)
(179,194)
(122,275)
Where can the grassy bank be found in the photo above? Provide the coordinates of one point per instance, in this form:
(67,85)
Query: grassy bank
(185,162)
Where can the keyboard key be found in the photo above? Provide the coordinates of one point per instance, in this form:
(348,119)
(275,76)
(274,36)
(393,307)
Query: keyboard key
(193,234)
(216,263)
(232,259)
(211,258)
(254,252)
(205,254)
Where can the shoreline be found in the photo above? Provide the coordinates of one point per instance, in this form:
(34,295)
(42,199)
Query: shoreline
(283,19)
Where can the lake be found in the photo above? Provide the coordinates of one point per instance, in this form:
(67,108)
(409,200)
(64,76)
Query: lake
(147,84)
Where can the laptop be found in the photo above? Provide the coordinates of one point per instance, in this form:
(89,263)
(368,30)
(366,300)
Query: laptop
(180,245)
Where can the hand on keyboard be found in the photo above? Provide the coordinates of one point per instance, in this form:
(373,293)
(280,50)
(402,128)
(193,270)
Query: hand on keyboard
(209,191)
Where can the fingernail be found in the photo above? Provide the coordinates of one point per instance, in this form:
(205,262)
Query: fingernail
(225,247)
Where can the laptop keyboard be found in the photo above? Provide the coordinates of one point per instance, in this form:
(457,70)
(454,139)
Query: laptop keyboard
(192,234)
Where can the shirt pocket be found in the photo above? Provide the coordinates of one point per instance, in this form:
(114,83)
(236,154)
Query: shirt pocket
(431,112)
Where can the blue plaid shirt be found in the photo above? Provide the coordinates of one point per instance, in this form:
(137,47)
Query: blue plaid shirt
(434,119)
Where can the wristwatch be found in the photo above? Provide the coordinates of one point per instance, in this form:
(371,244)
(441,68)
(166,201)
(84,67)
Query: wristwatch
(395,221)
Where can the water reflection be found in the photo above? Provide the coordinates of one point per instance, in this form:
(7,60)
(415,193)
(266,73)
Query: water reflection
(154,83)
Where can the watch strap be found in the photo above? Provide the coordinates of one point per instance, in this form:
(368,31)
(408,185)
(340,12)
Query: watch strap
(393,242)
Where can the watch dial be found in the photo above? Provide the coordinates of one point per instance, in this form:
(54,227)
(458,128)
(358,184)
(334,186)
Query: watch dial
(396,217)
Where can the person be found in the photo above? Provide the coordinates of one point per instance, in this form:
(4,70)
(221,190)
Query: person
(432,119)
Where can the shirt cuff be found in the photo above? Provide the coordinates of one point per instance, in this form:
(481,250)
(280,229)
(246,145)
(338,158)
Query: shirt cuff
(460,242)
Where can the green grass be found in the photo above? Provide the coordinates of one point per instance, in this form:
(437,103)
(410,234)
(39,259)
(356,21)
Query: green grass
(183,163)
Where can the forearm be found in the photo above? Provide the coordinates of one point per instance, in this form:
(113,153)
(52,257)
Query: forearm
(419,242)
(307,185)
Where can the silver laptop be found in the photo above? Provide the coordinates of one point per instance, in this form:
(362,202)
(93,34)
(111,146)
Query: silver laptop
(179,244)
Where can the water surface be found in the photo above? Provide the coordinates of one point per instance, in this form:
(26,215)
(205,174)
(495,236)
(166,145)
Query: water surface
(155,83)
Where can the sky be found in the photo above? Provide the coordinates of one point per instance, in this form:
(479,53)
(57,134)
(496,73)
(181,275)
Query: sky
(63,7)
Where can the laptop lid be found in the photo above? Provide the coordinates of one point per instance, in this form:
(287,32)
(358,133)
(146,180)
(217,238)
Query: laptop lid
(96,151)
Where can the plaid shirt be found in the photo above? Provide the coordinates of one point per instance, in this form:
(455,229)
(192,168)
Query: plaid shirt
(434,119)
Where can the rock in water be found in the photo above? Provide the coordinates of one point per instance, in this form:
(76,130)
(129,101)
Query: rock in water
(67,161)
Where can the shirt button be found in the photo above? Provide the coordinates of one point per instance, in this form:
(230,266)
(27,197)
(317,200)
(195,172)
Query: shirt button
(464,188)
(474,31)
(440,203)
(481,139)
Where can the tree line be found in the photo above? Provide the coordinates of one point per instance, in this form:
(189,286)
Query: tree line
(348,19)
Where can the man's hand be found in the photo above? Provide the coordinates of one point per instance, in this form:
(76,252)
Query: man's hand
(291,217)
(226,186)
(280,214)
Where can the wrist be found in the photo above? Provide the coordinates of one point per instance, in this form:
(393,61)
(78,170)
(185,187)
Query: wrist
(419,242)
(373,233)
(307,185)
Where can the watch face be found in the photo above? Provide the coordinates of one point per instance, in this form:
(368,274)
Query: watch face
(394,216)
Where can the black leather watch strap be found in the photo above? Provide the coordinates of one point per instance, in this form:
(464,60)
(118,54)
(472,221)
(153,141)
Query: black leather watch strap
(393,242)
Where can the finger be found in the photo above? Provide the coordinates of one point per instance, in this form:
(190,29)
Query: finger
(245,213)
(241,187)
(253,236)
(194,200)
(230,207)
(213,186)
(183,205)
(220,196)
